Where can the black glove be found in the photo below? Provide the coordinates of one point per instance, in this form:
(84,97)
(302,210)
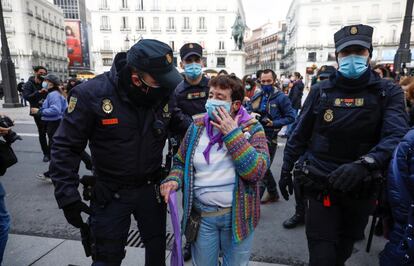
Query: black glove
(73,211)
(286,183)
(348,176)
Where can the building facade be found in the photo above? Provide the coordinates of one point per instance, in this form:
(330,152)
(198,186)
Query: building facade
(36,36)
(265,48)
(312,24)
(78,29)
(117,25)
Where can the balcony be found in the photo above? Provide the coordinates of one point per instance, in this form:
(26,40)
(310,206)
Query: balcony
(221,30)
(105,28)
(47,38)
(35,53)
(156,30)
(394,16)
(220,52)
(29,12)
(139,8)
(354,19)
(40,35)
(103,8)
(32,32)
(186,30)
(51,23)
(201,30)
(315,21)
(124,8)
(170,8)
(171,30)
(186,8)
(106,51)
(9,29)
(39,17)
(52,39)
(374,18)
(44,19)
(7,7)
(125,29)
(155,8)
(141,29)
(335,20)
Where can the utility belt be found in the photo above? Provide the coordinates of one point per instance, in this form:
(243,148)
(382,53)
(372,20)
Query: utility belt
(314,184)
(134,181)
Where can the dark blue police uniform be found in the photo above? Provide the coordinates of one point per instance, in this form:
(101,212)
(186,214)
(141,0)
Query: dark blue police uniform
(279,110)
(345,123)
(126,140)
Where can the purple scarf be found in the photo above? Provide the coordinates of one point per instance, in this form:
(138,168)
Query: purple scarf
(244,117)
(176,255)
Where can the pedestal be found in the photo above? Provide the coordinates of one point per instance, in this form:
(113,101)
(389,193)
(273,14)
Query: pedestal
(237,63)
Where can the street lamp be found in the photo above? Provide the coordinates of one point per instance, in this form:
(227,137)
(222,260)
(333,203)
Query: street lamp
(403,54)
(11,99)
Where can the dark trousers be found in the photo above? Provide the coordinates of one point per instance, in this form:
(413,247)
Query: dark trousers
(268,181)
(332,231)
(51,127)
(41,129)
(110,225)
(299,198)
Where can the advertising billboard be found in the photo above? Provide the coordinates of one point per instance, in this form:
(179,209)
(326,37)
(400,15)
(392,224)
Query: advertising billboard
(74,43)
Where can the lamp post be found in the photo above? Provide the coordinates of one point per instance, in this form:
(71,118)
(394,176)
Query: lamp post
(11,98)
(403,54)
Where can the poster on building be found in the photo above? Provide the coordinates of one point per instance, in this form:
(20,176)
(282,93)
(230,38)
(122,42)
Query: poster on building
(73,43)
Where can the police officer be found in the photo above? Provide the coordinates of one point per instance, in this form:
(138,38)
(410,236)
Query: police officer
(125,115)
(191,94)
(274,110)
(324,72)
(349,126)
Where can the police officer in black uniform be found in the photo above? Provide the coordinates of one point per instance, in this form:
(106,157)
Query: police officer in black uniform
(124,114)
(191,94)
(349,126)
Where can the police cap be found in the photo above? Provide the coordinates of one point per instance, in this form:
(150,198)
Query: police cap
(190,49)
(155,58)
(353,35)
(326,71)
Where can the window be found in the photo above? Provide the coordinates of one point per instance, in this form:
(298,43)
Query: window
(331,56)
(221,45)
(221,62)
(156,22)
(202,23)
(107,61)
(312,57)
(186,24)
(124,3)
(155,5)
(105,22)
(107,45)
(140,5)
(395,8)
(104,4)
(140,23)
(171,25)
(393,33)
(375,9)
(124,23)
(172,45)
(221,22)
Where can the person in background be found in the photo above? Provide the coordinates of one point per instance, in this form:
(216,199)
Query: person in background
(249,89)
(20,90)
(71,84)
(407,84)
(227,155)
(295,96)
(222,72)
(382,71)
(35,95)
(51,111)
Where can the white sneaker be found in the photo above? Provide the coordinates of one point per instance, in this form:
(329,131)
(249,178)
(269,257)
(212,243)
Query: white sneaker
(44,178)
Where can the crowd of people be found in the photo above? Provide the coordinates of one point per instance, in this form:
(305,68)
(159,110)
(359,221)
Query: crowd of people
(224,132)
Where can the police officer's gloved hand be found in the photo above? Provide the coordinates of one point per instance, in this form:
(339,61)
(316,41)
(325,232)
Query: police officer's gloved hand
(73,212)
(286,183)
(348,176)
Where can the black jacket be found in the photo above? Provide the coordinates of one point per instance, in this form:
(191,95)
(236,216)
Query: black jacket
(125,146)
(296,93)
(31,93)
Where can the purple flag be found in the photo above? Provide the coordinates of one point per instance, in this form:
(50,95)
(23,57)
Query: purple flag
(176,254)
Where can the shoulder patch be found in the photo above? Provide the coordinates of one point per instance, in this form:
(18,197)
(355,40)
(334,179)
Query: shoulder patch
(72,104)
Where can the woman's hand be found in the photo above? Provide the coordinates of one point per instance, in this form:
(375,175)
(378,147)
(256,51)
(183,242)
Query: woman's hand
(4,131)
(224,122)
(166,188)
(34,111)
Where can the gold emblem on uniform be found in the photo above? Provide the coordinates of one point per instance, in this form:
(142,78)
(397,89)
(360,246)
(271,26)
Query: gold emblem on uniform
(191,46)
(72,104)
(107,106)
(354,30)
(338,102)
(359,102)
(328,116)
(165,109)
(169,58)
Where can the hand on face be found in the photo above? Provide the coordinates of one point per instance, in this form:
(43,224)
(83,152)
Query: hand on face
(224,122)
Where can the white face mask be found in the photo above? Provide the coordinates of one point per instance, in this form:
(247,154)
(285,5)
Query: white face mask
(45,85)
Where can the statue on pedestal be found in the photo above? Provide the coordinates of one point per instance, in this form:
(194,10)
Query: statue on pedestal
(238,29)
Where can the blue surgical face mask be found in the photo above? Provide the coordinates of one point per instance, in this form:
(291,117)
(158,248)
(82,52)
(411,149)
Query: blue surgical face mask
(267,88)
(353,66)
(213,104)
(44,85)
(193,70)
(248,87)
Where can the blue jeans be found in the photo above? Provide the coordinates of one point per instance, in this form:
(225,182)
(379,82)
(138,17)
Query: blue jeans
(215,237)
(4,223)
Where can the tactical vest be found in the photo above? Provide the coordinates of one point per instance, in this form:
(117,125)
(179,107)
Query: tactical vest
(348,123)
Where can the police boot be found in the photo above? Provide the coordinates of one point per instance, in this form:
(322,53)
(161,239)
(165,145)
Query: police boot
(187,251)
(295,220)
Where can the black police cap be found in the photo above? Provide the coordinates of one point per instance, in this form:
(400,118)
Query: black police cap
(190,49)
(325,71)
(155,58)
(353,35)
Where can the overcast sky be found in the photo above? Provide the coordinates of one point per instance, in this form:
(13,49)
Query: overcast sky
(258,12)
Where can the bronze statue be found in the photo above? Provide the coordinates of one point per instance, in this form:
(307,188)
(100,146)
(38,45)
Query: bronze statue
(238,32)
